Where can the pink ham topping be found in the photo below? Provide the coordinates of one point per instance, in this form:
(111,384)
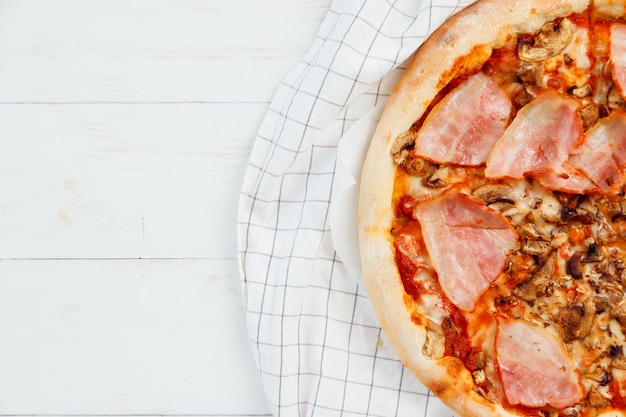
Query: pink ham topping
(602,157)
(617,54)
(539,139)
(534,366)
(569,180)
(463,128)
(467,243)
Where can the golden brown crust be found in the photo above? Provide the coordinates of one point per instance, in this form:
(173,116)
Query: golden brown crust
(461,44)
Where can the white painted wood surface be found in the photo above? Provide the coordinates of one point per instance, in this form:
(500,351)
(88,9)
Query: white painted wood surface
(125,128)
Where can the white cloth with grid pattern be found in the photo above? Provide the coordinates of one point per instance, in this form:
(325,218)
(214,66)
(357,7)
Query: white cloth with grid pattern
(316,341)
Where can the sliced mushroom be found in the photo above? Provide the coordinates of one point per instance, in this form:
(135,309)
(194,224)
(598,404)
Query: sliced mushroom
(551,40)
(597,400)
(402,146)
(593,254)
(576,209)
(601,302)
(616,353)
(589,113)
(530,72)
(588,206)
(615,294)
(482,359)
(497,193)
(568,412)
(437,177)
(550,208)
(616,99)
(484,387)
(434,347)
(617,209)
(574,267)
(619,313)
(401,154)
(532,91)
(569,215)
(604,233)
(616,258)
(418,166)
(576,321)
(608,270)
(569,200)
(533,242)
(528,93)
(599,374)
(540,283)
(521,99)
(538,248)
(529,230)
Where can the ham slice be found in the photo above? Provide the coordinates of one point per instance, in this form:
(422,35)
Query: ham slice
(467,243)
(539,139)
(617,53)
(535,369)
(568,180)
(464,126)
(602,157)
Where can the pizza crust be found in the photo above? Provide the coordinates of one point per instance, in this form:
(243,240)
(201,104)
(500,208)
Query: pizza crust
(460,45)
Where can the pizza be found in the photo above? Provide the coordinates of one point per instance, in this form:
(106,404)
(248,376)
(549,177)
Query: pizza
(492,210)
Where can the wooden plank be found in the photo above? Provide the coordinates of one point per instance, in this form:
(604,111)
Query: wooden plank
(126,128)
(122,181)
(138,80)
(162,50)
(124,337)
(143,415)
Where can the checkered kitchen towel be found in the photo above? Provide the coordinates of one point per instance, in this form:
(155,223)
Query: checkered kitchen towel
(316,341)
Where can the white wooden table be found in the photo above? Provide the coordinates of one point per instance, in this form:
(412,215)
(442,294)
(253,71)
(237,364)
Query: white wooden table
(125,129)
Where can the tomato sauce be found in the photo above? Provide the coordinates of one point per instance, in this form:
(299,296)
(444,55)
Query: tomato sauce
(458,342)
(405,206)
(410,253)
(618,400)
(407,271)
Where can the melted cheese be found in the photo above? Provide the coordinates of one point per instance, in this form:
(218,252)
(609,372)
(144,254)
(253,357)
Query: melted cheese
(573,65)
(609,8)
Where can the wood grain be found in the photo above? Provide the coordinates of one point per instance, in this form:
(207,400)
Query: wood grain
(122,180)
(123,337)
(151,50)
(125,131)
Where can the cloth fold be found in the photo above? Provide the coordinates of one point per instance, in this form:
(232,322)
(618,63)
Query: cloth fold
(318,346)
